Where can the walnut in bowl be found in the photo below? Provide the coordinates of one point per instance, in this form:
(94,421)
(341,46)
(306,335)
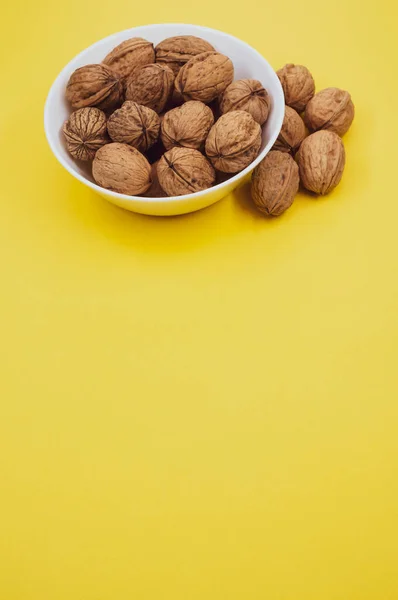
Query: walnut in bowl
(247,64)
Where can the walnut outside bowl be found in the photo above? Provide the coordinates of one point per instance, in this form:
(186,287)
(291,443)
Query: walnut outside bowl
(248,63)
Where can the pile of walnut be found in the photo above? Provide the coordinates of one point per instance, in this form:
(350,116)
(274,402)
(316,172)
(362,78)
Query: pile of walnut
(164,121)
(170,120)
(319,157)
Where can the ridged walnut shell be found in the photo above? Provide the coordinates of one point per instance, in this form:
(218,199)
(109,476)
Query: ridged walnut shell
(205,77)
(135,125)
(123,169)
(233,142)
(184,171)
(187,125)
(85,132)
(275,183)
(248,95)
(321,161)
(330,109)
(292,133)
(151,86)
(94,85)
(176,51)
(130,55)
(298,85)
(156,190)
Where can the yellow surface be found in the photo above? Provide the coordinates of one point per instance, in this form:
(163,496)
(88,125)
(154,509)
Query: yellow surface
(202,407)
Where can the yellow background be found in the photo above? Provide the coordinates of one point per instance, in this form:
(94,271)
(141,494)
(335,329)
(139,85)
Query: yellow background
(200,407)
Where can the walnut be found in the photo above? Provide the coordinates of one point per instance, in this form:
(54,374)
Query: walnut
(205,76)
(275,183)
(94,85)
(248,95)
(85,132)
(298,85)
(151,86)
(156,190)
(129,56)
(176,51)
(292,133)
(330,109)
(321,161)
(187,125)
(234,141)
(184,171)
(135,125)
(122,168)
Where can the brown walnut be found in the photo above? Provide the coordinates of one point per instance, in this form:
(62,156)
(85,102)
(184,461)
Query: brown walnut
(151,86)
(85,132)
(298,85)
(187,125)
(94,85)
(176,51)
(135,125)
(205,77)
(330,109)
(129,56)
(321,161)
(248,95)
(275,183)
(233,142)
(184,171)
(123,169)
(292,133)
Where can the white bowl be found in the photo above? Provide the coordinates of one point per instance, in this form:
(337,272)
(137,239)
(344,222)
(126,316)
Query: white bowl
(248,63)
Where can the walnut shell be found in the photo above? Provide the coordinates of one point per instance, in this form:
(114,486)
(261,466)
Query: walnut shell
(85,132)
(176,51)
(156,190)
(248,95)
(184,171)
(321,161)
(123,169)
(187,125)
(292,133)
(330,109)
(151,86)
(135,125)
(129,56)
(233,142)
(205,77)
(275,183)
(298,85)
(94,85)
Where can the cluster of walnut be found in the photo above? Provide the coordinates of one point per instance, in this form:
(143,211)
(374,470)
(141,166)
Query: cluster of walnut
(164,121)
(316,160)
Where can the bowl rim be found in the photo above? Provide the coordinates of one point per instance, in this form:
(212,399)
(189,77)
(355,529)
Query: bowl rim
(150,200)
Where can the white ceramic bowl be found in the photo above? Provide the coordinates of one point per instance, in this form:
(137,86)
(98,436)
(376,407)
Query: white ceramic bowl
(248,63)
